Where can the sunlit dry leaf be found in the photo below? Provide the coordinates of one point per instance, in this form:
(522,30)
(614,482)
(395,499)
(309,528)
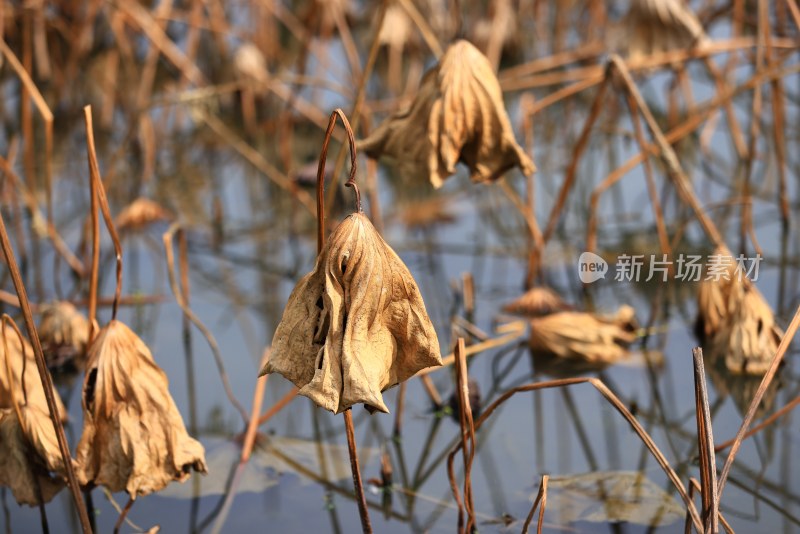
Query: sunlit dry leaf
(251,64)
(457,115)
(537,301)
(654,26)
(33,391)
(133,437)
(428,212)
(584,336)
(63,331)
(735,320)
(141,213)
(611,497)
(397,29)
(356,325)
(21,469)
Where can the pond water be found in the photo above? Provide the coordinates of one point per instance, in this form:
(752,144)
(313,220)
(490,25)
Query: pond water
(249,243)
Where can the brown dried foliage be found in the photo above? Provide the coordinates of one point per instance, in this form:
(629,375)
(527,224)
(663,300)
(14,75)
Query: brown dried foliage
(536,302)
(33,392)
(584,336)
(63,331)
(736,322)
(457,115)
(141,213)
(656,26)
(356,325)
(133,438)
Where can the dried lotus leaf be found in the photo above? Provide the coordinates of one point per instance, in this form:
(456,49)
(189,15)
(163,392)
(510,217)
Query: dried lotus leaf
(657,26)
(63,331)
(735,320)
(356,325)
(140,213)
(584,336)
(457,115)
(537,301)
(20,351)
(20,470)
(134,438)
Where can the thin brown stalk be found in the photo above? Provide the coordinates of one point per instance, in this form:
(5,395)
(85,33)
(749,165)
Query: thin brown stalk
(15,401)
(763,424)
(94,172)
(286,399)
(424,28)
(508,333)
(398,413)
(258,399)
(705,444)
(541,497)
(795,11)
(730,114)
(679,178)
(44,374)
(623,411)
(188,313)
(123,514)
(762,389)
(563,93)
(433,393)
(661,228)
(577,152)
(366,526)
(467,438)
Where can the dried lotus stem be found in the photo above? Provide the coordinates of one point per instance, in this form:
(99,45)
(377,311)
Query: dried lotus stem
(366,526)
(44,375)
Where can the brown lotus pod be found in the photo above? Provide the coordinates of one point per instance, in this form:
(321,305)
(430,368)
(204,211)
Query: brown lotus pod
(141,213)
(64,333)
(584,336)
(133,438)
(536,302)
(20,354)
(21,469)
(657,26)
(735,321)
(356,325)
(457,115)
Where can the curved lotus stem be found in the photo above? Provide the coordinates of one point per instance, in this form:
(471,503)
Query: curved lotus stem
(351,181)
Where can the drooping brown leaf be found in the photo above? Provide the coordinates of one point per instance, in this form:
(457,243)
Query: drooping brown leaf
(655,26)
(133,438)
(356,325)
(20,468)
(457,115)
(20,353)
(584,336)
(64,332)
(141,213)
(735,320)
(537,301)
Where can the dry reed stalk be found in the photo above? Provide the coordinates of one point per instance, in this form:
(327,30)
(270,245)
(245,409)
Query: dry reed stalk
(252,425)
(424,28)
(148,72)
(144,20)
(580,146)
(619,407)
(541,497)
(467,443)
(44,374)
(255,158)
(663,238)
(278,406)
(180,298)
(763,424)
(705,445)
(397,430)
(762,388)
(508,333)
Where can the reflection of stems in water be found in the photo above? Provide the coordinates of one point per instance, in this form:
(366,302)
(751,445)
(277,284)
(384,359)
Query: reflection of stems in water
(323,466)
(583,439)
(188,313)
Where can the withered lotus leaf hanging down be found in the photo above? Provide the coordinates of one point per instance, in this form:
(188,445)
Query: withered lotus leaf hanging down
(457,115)
(133,437)
(356,325)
